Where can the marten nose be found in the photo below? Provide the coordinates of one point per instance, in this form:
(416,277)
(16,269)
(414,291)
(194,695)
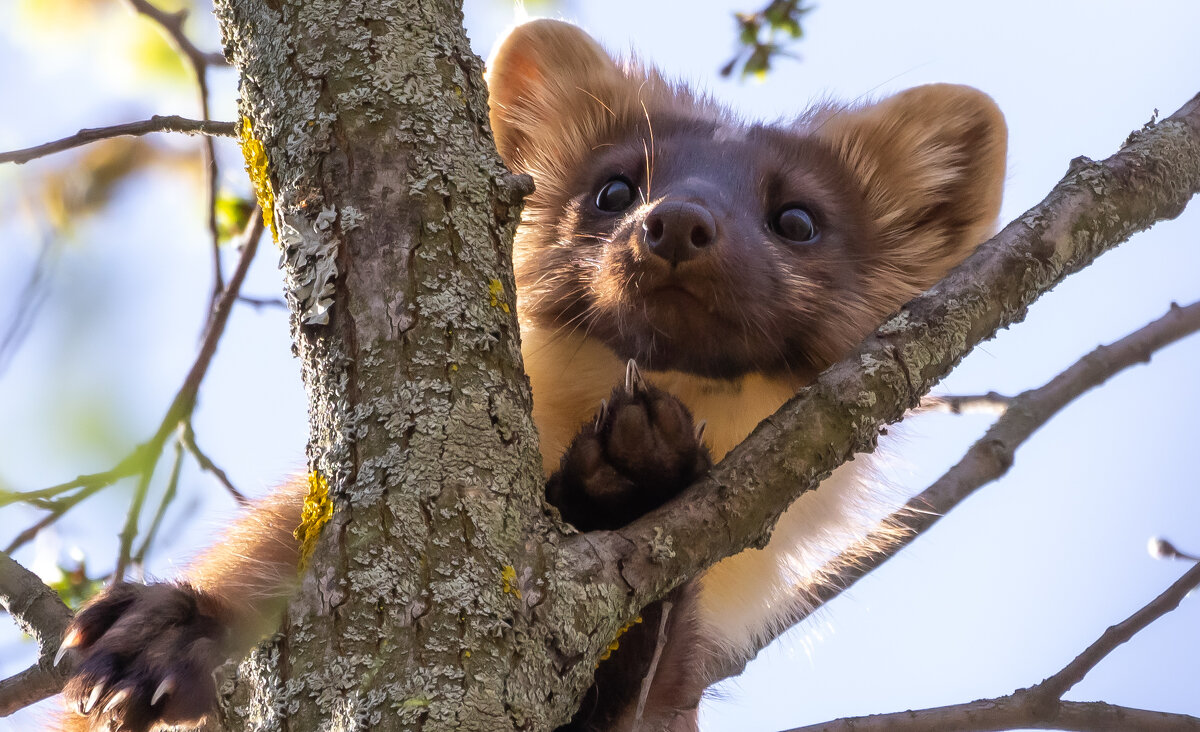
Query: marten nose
(678,230)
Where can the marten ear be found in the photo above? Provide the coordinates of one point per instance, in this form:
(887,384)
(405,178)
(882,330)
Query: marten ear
(545,81)
(930,162)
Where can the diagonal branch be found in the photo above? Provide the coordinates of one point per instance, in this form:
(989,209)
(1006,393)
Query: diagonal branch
(1062,682)
(1094,208)
(1041,706)
(40,613)
(992,455)
(157,123)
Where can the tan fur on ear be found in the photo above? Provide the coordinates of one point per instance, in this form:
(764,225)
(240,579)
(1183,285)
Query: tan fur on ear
(555,94)
(540,72)
(931,164)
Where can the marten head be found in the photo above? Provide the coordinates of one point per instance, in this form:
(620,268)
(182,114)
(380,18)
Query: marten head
(689,240)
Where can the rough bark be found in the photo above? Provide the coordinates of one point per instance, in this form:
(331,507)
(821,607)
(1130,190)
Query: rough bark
(395,217)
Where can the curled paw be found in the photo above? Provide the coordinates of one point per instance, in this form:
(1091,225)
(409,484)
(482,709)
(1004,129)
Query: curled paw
(146,656)
(642,449)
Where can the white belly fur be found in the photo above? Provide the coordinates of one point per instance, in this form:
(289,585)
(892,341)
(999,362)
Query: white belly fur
(748,598)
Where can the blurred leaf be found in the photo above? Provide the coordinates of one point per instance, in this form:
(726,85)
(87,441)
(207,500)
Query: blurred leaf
(74,585)
(233,212)
(73,186)
(757,35)
(154,54)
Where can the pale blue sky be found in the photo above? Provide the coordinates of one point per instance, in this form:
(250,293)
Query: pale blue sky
(1001,594)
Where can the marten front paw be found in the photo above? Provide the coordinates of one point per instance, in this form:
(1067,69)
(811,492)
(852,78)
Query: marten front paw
(641,451)
(146,656)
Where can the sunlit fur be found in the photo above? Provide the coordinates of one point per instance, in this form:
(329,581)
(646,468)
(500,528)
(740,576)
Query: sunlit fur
(925,170)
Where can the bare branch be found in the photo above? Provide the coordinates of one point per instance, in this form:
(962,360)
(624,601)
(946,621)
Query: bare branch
(990,403)
(157,123)
(263,302)
(129,530)
(188,439)
(1061,682)
(1041,706)
(167,499)
(992,455)
(172,23)
(39,612)
(985,715)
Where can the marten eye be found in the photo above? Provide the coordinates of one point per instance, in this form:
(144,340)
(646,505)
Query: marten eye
(795,223)
(616,195)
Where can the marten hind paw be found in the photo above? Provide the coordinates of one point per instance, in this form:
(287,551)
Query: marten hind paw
(146,657)
(642,449)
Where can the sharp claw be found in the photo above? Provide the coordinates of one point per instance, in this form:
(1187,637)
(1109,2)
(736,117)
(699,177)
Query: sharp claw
(700,430)
(166,688)
(601,415)
(71,640)
(117,698)
(633,377)
(90,703)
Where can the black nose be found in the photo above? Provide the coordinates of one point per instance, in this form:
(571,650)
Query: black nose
(678,230)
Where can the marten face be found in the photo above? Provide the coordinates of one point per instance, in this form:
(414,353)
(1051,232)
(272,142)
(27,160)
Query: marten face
(720,250)
(687,240)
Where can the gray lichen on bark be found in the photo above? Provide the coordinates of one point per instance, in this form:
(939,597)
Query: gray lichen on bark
(418,597)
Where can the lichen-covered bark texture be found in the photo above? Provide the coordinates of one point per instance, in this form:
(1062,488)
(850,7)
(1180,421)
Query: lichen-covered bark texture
(395,218)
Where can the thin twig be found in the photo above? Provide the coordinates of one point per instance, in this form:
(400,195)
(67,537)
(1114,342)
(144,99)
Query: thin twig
(263,302)
(648,681)
(1010,712)
(990,403)
(129,530)
(172,23)
(157,123)
(29,301)
(188,438)
(168,497)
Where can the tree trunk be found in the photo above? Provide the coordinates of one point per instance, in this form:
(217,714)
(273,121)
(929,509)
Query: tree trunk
(395,217)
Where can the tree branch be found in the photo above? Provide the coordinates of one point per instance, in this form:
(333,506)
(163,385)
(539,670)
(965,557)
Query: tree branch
(157,123)
(1012,712)
(187,438)
(992,455)
(1094,208)
(1062,682)
(1041,706)
(39,612)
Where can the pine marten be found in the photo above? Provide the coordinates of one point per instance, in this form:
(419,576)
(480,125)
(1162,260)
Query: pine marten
(729,261)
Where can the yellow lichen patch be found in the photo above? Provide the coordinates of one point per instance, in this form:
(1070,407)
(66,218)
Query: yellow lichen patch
(508,581)
(256,166)
(317,511)
(615,641)
(495,290)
